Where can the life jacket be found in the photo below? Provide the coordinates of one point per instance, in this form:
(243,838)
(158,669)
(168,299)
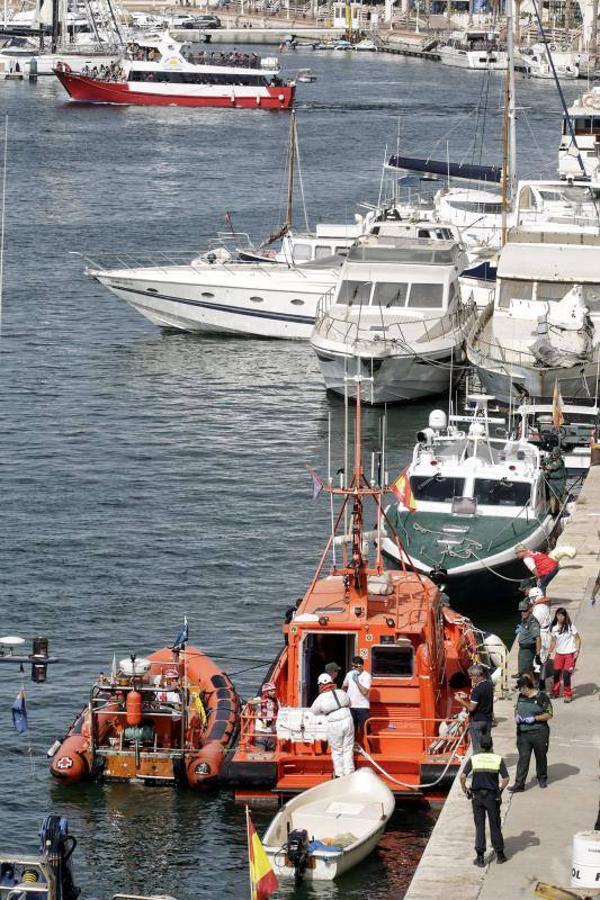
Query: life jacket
(544,564)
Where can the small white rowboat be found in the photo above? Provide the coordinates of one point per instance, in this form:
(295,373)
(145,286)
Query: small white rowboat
(327,830)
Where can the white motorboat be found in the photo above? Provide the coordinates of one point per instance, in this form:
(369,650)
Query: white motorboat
(574,437)
(541,328)
(584,116)
(214,296)
(366,46)
(396,317)
(473,49)
(468,498)
(331,827)
(567,63)
(306,76)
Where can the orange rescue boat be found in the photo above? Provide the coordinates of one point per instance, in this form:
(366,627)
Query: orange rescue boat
(168,718)
(415,647)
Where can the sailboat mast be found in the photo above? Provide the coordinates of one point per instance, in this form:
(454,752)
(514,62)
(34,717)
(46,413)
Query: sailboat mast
(508,127)
(291,161)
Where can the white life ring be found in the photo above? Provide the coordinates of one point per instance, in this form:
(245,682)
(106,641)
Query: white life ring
(281,98)
(589,101)
(597,102)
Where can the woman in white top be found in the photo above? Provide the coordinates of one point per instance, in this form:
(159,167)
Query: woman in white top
(566,643)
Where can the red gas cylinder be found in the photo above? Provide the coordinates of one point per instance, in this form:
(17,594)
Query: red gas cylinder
(133,708)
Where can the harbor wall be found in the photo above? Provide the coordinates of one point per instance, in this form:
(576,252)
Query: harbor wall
(538,824)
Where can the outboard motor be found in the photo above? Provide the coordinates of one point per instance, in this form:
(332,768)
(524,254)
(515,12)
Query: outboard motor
(297,852)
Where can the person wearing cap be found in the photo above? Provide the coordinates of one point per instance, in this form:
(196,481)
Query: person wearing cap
(532,714)
(265,709)
(540,608)
(541,565)
(170,694)
(357,685)
(333,670)
(334,703)
(480,705)
(528,636)
(489,777)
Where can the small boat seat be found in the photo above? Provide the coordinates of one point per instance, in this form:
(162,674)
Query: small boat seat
(334,816)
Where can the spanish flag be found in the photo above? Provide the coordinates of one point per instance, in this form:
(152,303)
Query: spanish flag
(263,882)
(557,406)
(402,490)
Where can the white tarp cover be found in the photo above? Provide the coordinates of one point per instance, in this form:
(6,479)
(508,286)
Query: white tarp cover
(550,262)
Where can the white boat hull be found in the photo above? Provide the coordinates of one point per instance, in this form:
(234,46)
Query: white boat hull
(396,379)
(360,804)
(279,305)
(473,59)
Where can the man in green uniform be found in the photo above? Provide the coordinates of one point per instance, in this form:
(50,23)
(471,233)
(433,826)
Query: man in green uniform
(529,637)
(532,714)
(489,778)
(556,479)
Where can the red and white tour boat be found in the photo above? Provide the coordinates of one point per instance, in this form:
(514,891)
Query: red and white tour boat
(159,71)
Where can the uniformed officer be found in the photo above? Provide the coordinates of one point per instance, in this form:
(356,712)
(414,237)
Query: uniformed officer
(529,638)
(532,715)
(489,778)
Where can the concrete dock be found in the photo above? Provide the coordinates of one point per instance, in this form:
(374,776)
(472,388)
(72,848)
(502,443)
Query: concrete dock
(538,825)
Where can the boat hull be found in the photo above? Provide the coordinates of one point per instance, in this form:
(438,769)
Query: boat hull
(479,60)
(396,379)
(285,311)
(506,382)
(89,90)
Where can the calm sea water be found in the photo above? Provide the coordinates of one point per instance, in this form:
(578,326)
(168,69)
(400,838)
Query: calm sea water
(145,476)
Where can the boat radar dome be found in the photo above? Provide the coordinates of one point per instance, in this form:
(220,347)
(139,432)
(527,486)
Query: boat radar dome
(438,419)
(134,666)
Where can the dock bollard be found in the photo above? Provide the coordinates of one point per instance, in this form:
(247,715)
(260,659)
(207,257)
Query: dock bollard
(585,870)
(33,69)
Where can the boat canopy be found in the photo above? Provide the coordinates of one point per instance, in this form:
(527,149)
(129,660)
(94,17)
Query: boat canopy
(550,262)
(446,169)
(433,253)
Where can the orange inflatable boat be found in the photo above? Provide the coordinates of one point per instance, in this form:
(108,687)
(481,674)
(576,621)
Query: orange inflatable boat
(167,718)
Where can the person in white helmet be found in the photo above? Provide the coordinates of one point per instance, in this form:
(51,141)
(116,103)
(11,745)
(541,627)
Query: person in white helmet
(335,704)
(540,608)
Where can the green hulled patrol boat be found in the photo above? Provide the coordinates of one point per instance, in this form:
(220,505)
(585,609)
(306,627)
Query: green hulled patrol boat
(467,499)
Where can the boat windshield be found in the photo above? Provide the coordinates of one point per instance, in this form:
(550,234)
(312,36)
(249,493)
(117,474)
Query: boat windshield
(494,492)
(418,256)
(437,488)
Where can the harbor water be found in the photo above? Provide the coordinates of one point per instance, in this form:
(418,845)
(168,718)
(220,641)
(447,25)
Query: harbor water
(147,476)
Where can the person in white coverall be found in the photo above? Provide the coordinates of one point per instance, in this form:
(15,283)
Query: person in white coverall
(335,704)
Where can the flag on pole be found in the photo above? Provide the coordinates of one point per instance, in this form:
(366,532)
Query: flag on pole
(317,484)
(557,406)
(263,882)
(227,217)
(19,713)
(182,637)
(402,490)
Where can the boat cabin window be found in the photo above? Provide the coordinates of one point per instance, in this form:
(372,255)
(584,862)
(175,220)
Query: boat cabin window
(392,661)
(493,492)
(552,290)
(317,649)
(436,488)
(354,293)
(584,125)
(389,295)
(486,207)
(514,289)
(302,252)
(321,251)
(426,296)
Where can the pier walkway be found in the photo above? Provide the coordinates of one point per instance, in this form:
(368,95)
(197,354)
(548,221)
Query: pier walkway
(538,825)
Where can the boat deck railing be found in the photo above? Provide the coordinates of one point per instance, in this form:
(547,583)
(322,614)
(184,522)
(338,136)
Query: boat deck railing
(391,335)
(154,259)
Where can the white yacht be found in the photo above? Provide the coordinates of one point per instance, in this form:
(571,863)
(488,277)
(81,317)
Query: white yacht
(214,295)
(467,499)
(567,63)
(395,317)
(473,49)
(541,328)
(584,117)
(573,437)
